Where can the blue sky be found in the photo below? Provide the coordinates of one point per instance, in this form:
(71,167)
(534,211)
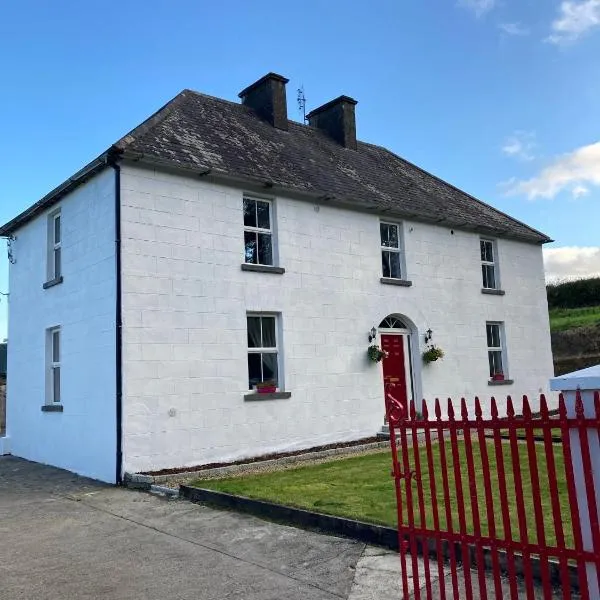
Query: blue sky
(499,97)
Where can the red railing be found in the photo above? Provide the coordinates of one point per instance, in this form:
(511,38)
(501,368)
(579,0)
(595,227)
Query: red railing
(496,498)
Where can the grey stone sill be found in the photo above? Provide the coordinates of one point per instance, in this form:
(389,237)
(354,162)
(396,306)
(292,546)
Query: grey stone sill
(492,292)
(503,382)
(263,269)
(392,281)
(273,396)
(53,282)
(52,408)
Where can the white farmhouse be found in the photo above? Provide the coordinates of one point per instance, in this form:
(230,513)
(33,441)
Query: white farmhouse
(206,290)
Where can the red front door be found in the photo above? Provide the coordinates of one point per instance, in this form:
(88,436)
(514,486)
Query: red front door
(394,369)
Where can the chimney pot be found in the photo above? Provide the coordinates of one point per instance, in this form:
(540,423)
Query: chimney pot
(337,119)
(267,98)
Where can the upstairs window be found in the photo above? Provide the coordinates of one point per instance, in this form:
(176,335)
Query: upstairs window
(390,250)
(488,264)
(496,349)
(263,352)
(258,232)
(54,246)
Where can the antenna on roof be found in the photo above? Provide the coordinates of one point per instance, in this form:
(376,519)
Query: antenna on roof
(302,103)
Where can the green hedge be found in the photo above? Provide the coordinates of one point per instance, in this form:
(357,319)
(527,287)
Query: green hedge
(574,294)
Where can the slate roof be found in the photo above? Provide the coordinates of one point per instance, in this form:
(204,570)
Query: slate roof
(199,132)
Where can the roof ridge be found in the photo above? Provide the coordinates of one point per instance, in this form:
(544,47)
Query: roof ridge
(154,119)
(451,185)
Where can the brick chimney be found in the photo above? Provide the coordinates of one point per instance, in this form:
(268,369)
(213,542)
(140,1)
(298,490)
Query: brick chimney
(267,97)
(337,119)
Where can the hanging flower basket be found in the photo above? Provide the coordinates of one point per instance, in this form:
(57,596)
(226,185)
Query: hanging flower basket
(432,354)
(376,354)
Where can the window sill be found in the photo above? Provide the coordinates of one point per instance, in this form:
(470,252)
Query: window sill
(392,281)
(503,382)
(492,292)
(263,269)
(273,396)
(53,282)
(52,408)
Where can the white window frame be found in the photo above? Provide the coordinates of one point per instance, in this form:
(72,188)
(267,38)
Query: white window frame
(501,348)
(54,246)
(53,366)
(256,230)
(399,250)
(268,350)
(493,264)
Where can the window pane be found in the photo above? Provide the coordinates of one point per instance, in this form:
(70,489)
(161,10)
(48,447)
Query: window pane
(57,229)
(385,264)
(249,213)
(262,215)
(383,232)
(395,265)
(495,360)
(489,276)
(268,332)
(55,346)
(393,236)
(265,250)
(487,251)
(269,362)
(254,339)
(254,370)
(56,384)
(250,252)
(493,335)
(57,262)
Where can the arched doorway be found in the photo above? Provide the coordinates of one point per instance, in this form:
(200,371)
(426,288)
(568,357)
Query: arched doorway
(396,336)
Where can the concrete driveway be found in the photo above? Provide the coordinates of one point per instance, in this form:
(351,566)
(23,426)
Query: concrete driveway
(63,536)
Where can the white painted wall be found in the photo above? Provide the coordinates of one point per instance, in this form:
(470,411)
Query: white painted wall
(184,308)
(82,438)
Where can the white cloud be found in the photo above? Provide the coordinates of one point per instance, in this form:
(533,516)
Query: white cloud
(520,145)
(573,172)
(514,29)
(572,262)
(479,7)
(576,17)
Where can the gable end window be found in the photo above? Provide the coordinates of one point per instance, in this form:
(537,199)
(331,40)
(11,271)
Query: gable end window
(496,350)
(391,252)
(258,232)
(53,351)
(54,250)
(263,350)
(489,270)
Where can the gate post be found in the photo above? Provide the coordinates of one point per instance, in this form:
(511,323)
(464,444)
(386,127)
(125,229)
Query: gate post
(585,383)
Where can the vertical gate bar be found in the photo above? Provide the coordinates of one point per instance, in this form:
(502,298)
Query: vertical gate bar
(392,423)
(434,506)
(419,479)
(588,475)
(510,552)
(573,504)
(466,559)
(474,500)
(594,483)
(529,425)
(447,506)
(518,481)
(410,513)
(554,498)
(489,499)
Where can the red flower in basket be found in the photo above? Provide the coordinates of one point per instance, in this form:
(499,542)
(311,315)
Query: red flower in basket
(266,387)
(498,377)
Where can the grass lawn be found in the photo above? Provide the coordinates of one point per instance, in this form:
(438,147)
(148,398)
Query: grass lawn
(568,318)
(362,488)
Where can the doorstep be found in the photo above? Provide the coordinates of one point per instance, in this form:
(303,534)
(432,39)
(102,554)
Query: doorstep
(4,445)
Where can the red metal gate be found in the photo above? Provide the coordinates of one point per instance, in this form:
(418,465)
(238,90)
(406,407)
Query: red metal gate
(494,499)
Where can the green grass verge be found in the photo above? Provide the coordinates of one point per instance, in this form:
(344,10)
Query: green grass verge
(362,488)
(562,319)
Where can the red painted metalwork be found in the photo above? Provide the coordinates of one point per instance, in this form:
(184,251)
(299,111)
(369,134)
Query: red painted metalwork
(436,465)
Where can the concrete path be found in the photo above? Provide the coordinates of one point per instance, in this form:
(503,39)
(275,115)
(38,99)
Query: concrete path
(66,537)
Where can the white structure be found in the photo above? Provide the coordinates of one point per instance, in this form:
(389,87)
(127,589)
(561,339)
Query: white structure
(241,250)
(587,383)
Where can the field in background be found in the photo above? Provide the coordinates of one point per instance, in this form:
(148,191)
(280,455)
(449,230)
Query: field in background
(562,319)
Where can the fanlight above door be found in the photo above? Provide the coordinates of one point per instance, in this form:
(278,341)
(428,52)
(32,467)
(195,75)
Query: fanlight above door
(392,322)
